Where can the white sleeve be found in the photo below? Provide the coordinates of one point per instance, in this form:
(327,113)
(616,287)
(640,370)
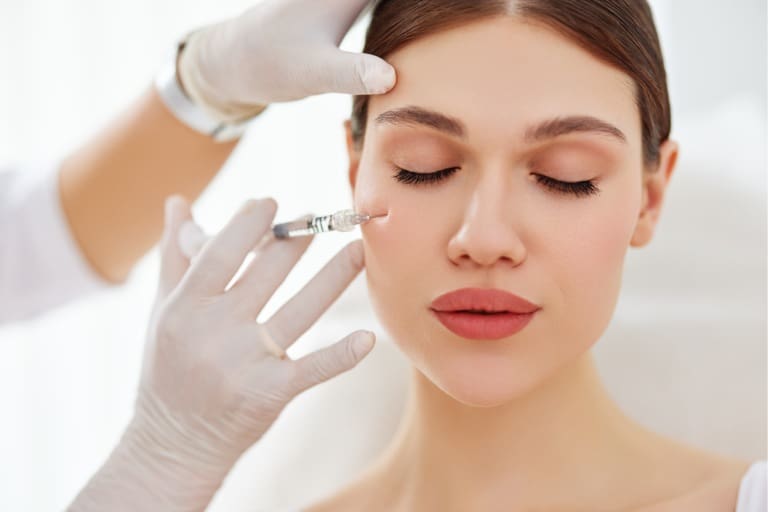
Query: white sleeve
(41,265)
(753,490)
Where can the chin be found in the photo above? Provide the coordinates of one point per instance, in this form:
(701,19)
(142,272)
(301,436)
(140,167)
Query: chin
(483,382)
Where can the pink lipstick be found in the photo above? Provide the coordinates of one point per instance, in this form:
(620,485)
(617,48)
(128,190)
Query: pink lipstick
(483,314)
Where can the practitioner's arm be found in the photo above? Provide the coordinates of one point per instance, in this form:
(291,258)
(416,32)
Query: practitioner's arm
(113,187)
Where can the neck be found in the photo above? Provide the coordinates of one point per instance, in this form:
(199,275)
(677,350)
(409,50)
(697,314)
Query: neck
(565,435)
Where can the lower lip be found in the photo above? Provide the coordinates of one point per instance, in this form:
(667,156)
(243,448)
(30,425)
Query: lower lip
(483,327)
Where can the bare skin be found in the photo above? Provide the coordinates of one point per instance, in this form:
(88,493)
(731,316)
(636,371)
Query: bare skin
(113,188)
(716,493)
(628,469)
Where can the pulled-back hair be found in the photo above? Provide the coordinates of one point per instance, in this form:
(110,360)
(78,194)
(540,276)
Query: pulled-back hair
(619,32)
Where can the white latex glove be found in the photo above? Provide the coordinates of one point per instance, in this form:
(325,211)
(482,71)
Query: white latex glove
(210,385)
(279,50)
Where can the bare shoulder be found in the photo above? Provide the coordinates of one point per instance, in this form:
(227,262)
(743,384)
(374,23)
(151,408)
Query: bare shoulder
(716,490)
(722,490)
(703,481)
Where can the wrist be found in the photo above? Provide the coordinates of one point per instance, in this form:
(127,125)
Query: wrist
(176,441)
(138,477)
(180,93)
(194,54)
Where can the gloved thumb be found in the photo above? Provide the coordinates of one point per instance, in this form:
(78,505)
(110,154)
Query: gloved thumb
(329,362)
(173,262)
(354,73)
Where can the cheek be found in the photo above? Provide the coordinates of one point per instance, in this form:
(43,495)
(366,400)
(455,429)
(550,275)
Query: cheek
(395,245)
(401,258)
(602,239)
(594,249)
(395,275)
(589,261)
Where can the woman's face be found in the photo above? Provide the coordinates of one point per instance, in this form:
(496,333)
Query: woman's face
(526,106)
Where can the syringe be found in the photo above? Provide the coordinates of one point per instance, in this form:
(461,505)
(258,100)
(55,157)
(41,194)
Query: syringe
(342,220)
(192,238)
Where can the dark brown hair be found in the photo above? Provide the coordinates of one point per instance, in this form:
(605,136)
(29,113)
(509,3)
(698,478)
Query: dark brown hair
(619,32)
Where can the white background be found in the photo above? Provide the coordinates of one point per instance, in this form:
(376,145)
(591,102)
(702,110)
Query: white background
(685,354)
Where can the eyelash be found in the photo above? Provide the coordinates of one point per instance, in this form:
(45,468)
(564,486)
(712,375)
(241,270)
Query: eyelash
(578,188)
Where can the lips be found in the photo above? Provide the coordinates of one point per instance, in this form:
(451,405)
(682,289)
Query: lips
(478,313)
(482,299)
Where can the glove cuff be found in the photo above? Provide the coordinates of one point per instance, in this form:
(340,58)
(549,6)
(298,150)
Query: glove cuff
(200,91)
(191,108)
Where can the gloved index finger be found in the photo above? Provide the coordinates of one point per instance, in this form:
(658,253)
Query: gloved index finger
(221,257)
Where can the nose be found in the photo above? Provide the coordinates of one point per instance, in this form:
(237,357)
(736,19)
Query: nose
(489,234)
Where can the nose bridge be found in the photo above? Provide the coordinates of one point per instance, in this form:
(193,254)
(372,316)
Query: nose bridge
(488,230)
(492,198)
(492,190)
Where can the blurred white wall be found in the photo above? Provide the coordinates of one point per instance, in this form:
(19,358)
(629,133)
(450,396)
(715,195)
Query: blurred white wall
(685,354)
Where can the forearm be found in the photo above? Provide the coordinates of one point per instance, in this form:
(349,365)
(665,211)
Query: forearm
(113,188)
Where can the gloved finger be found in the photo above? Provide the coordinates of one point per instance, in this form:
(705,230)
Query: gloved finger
(303,309)
(267,271)
(191,239)
(352,73)
(220,258)
(326,363)
(173,263)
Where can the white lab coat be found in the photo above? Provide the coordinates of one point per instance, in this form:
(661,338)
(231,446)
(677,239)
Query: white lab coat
(41,265)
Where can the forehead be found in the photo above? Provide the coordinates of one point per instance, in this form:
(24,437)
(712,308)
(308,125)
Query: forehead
(499,75)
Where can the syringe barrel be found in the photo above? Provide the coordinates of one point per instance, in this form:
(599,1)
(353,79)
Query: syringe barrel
(344,220)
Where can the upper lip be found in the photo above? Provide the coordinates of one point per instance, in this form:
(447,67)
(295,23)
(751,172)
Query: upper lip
(483,299)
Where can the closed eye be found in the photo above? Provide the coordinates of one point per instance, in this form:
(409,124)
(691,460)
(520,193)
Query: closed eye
(409,177)
(575,188)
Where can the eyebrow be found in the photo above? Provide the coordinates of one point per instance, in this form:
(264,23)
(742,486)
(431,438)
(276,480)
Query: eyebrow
(544,130)
(421,116)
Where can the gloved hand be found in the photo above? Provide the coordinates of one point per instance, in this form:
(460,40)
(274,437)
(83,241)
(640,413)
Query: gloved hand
(279,50)
(214,379)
